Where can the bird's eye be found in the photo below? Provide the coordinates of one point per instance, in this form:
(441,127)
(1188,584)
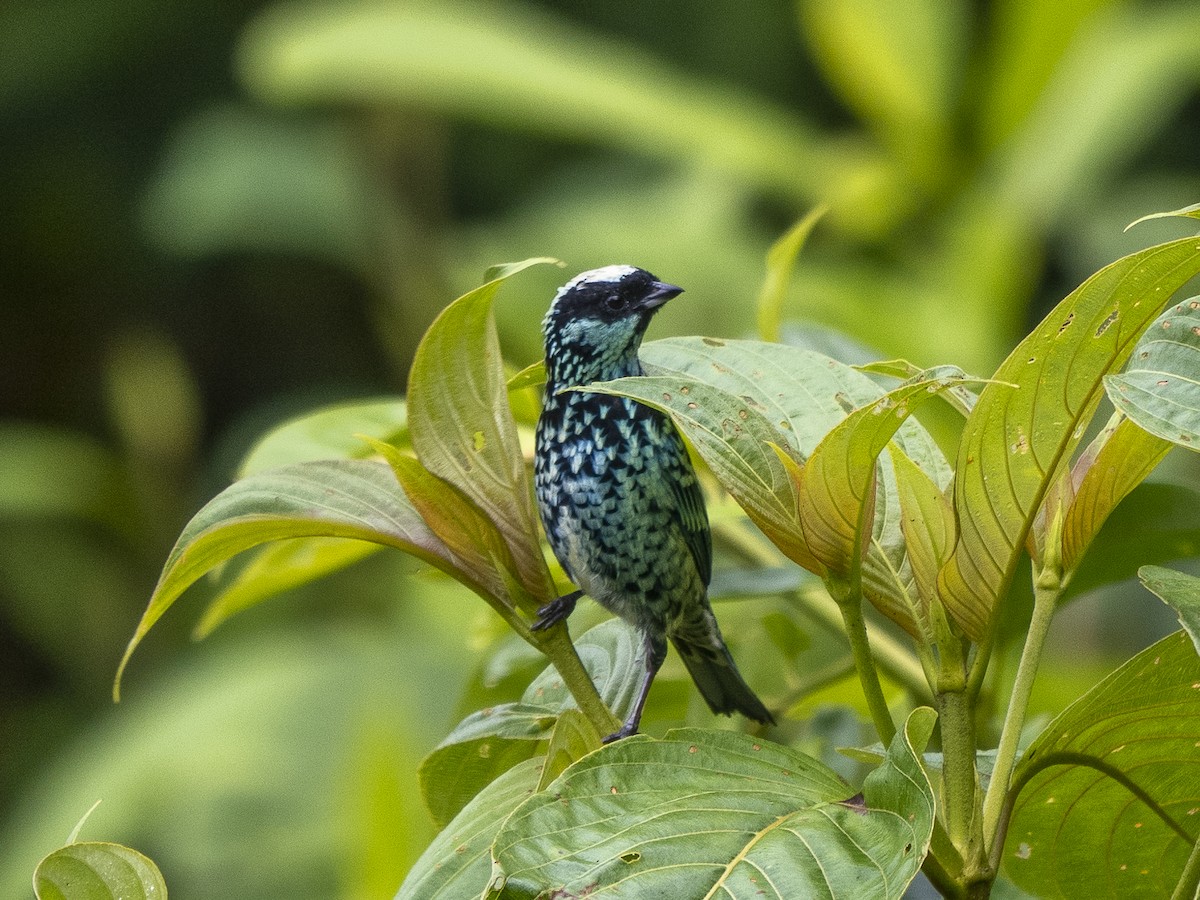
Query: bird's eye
(614,302)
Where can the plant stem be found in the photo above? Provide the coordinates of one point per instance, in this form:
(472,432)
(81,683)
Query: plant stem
(958,769)
(1045,599)
(556,644)
(860,648)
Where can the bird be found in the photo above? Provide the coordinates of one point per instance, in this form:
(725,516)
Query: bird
(617,494)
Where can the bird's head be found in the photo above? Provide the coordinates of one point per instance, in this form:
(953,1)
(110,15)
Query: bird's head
(596,323)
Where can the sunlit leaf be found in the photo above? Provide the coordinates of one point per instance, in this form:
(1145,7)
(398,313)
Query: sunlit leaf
(1117,461)
(459,861)
(1017,438)
(1179,591)
(1192,211)
(332,432)
(1160,388)
(781,259)
(463,430)
(927,520)
(504,65)
(98,871)
(278,567)
(705,811)
(357,499)
(453,517)
(1108,804)
(838,489)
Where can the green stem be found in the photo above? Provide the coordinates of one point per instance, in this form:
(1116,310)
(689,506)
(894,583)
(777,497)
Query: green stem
(556,644)
(868,676)
(959,775)
(1045,599)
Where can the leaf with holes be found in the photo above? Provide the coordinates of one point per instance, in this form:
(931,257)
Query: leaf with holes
(357,499)
(1160,388)
(1018,439)
(1108,801)
(704,812)
(463,430)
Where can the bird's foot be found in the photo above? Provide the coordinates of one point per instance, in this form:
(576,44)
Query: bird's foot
(627,730)
(555,611)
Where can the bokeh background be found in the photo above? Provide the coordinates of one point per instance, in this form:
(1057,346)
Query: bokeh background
(217,215)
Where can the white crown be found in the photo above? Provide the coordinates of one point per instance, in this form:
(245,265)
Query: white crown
(605,273)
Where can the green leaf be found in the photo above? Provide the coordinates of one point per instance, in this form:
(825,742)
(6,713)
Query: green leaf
(838,489)
(357,499)
(463,430)
(1118,459)
(332,432)
(1192,212)
(1160,389)
(509,66)
(781,260)
(927,520)
(98,871)
(278,567)
(459,861)
(573,738)
(703,810)
(462,526)
(960,398)
(490,741)
(1107,804)
(1180,592)
(1017,439)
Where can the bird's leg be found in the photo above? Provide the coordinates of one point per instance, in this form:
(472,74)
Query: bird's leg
(556,611)
(656,653)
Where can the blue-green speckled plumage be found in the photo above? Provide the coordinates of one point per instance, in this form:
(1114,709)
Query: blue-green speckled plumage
(618,496)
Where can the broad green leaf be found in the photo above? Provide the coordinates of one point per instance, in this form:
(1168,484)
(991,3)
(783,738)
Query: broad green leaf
(95,870)
(761,394)
(1117,461)
(1160,388)
(507,65)
(838,489)
(490,741)
(704,811)
(1179,591)
(482,747)
(458,863)
(1017,438)
(332,432)
(781,260)
(927,520)
(463,430)
(277,567)
(1107,803)
(462,526)
(357,499)
(895,62)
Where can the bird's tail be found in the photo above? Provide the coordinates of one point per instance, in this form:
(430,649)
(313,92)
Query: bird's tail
(711,666)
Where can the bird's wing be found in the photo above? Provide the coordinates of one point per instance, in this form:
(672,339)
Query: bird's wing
(693,517)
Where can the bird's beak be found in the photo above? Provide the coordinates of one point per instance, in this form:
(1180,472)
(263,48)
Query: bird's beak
(659,294)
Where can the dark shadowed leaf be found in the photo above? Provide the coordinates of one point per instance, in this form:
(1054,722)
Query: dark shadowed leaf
(94,870)
(462,427)
(1108,805)
(1017,438)
(1160,388)
(704,811)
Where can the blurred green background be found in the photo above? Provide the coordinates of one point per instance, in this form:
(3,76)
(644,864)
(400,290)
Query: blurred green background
(218,215)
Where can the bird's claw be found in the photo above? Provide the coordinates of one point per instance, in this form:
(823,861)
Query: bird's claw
(555,611)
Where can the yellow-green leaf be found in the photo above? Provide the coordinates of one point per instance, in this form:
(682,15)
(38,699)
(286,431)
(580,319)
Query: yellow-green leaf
(95,870)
